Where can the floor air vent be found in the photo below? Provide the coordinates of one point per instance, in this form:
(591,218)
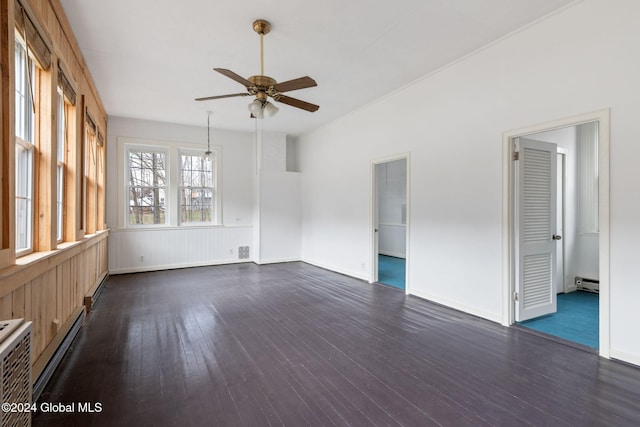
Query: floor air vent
(15,371)
(243,252)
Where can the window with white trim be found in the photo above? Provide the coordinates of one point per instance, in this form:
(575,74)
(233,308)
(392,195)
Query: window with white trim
(25,133)
(196,189)
(146,186)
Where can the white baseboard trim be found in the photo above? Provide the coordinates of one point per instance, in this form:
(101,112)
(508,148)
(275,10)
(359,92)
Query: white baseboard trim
(633,359)
(572,288)
(494,317)
(147,268)
(276,261)
(337,270)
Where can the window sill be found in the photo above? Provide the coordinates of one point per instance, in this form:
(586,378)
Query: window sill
(30,266)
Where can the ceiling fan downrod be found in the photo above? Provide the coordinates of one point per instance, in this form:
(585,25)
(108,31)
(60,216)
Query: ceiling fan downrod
(261,27)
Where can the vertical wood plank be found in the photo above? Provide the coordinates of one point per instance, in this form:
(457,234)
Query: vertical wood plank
(50,305)
(66,289)
(59,293)
(28,304)
(6,311)
(18,303)
(37,316)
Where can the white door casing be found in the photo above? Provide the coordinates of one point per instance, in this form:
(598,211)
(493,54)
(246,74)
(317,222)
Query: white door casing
(559,275)
(509,235)
(374,216)
(536,173)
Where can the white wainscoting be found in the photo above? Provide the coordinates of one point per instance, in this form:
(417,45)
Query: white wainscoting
(392,240)
(134,250)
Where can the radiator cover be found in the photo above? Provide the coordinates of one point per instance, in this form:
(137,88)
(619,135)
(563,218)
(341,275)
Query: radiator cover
(15,370)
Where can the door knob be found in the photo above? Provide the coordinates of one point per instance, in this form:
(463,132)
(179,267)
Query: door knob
(556,237)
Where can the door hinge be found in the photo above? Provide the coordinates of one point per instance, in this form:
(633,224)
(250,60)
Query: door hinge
(515,296)
(516,155)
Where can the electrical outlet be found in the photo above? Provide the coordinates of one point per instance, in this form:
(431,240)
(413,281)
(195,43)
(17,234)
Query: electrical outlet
(231,251)
(141,258)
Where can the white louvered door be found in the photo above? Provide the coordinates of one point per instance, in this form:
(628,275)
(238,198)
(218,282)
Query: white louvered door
(536,227)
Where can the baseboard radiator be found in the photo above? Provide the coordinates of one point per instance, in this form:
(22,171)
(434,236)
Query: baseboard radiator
(60,350)
(15,372)
(589,285)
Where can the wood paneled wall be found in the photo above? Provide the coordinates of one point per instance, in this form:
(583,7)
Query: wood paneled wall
(49,290)
(47,287)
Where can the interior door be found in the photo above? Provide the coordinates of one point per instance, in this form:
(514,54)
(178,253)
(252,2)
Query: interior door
(535,228)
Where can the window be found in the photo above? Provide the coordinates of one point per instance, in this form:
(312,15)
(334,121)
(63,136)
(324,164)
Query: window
(196,188)
(165,183)
(25,131)
(147,186)
(62,144)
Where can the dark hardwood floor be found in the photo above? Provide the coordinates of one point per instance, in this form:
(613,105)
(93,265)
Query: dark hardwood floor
(295,345)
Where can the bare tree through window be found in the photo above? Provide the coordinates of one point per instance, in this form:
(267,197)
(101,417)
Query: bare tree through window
(196,190)
(147,186)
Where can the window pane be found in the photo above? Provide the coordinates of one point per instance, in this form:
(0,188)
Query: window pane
(147,187)
(24,186)
(62,124)
(24,119)
(196,205)
(196,191)
(60,203)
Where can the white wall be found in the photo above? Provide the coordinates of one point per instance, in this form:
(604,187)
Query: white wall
(166,247)
(588,241)
(280,216)
(452,122)
(278,210)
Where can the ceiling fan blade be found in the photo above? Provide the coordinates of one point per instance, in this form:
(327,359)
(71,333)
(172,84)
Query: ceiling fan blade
(233,76)
(297,103)
(295,84)
(222,96)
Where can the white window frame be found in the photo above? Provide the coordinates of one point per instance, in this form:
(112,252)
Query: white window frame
(213,160)
(125,197)
(25,118)
(173,151)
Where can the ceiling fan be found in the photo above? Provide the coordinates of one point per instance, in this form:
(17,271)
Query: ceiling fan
(263,87)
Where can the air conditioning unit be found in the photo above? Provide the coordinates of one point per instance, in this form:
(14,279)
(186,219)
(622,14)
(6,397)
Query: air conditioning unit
(15,373)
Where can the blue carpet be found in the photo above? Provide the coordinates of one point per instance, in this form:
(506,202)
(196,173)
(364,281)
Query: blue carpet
(391,271)
(576,319)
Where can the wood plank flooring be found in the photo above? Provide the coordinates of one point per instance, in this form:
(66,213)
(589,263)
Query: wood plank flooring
(295,345)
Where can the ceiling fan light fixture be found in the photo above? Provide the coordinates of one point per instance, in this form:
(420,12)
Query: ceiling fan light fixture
(256,108)
(270,109)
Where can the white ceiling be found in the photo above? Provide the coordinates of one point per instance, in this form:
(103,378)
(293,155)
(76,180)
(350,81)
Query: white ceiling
(150,58)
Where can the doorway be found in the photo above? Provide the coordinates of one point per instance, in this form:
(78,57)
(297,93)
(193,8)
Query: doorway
(389,214)
(577,240)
